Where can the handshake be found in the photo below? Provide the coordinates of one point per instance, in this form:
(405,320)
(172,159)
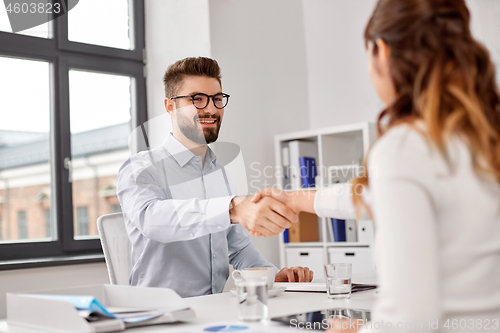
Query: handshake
(269,212)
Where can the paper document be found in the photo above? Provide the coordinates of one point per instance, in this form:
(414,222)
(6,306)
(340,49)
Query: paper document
(91,309)
(319,287)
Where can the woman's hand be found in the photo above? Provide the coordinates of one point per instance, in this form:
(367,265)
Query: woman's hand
(297,201)
(280,195)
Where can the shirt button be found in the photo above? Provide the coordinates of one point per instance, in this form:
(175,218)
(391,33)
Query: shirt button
(191,235)
(213,256)
(219,227)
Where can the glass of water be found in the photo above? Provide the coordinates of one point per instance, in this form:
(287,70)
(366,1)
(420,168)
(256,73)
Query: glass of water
(252,299)
(338,280)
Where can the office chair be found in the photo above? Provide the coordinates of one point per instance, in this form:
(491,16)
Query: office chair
(116,247)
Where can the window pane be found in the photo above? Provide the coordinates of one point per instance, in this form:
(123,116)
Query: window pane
(22,225)
(82,221)
(25,170)
(41,30)
(100,114)
(98,22)
(48,223)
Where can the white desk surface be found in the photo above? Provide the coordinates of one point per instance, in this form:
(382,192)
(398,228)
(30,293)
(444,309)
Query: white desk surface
(221,309)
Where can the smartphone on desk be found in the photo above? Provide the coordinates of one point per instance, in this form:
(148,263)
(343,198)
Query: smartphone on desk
(318,320)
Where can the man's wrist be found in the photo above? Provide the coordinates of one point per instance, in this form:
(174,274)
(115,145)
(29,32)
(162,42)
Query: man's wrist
(232,209)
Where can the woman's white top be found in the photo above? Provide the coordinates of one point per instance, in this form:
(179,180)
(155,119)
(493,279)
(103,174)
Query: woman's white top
(437,242)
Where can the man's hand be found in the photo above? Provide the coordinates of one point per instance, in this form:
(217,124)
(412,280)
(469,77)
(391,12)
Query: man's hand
(268,217)
(294,274)
(297,201)
(280,195)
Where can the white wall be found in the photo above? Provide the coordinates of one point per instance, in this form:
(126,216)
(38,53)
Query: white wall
(33,279)
(340,91)
(260,47)
(174,30)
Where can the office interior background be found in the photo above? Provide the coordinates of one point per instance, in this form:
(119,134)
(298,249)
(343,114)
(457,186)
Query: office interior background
(288,65)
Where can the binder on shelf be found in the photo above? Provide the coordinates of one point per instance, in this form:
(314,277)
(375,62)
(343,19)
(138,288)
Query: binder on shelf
(351,231)
(297,149)
(306,230)
(308,171)
(366,231)
(285,161)
(286,236)
(330,230)
(338,230)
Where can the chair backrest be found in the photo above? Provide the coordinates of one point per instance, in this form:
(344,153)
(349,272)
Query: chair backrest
(116,247)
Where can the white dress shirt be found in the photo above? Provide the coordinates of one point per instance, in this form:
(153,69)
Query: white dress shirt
(176,212)
(437,242)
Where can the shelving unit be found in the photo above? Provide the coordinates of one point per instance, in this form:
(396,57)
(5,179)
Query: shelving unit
(339,146)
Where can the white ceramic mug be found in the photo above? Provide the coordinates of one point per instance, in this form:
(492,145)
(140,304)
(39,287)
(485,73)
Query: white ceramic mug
(255,273)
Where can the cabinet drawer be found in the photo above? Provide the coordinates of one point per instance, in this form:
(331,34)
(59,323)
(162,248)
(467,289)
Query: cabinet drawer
(359,257)
(307,257)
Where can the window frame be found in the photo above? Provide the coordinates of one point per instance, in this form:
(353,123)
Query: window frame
(64,55)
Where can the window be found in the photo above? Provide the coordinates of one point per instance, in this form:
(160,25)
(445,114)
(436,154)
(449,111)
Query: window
(71,94)
(102,31)
(48,223)
(22,225)
(82,221)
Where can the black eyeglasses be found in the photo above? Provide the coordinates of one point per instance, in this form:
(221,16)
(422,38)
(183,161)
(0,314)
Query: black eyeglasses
(200,100)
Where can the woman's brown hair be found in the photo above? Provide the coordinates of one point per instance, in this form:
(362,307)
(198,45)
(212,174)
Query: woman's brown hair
(442,76)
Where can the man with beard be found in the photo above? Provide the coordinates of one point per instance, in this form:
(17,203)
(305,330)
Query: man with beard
(183,221)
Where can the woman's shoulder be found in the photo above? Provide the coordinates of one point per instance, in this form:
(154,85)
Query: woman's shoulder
(404,149)
(403,138)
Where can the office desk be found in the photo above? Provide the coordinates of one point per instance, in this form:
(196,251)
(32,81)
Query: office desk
(222,308)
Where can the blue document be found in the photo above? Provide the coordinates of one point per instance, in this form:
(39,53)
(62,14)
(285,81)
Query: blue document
(338,230)
(286,238)
(308,171)
(87,303)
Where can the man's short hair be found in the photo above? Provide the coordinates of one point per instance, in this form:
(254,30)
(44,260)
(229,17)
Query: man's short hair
(199,66)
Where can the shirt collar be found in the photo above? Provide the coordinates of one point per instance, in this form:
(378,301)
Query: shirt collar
(183,155)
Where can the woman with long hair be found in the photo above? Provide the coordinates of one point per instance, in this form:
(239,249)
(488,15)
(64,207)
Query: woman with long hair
(433,187)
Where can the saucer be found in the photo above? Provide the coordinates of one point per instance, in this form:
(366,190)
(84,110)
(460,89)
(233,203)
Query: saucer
(270,293)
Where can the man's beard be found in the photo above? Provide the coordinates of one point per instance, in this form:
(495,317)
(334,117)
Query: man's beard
(191,131)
